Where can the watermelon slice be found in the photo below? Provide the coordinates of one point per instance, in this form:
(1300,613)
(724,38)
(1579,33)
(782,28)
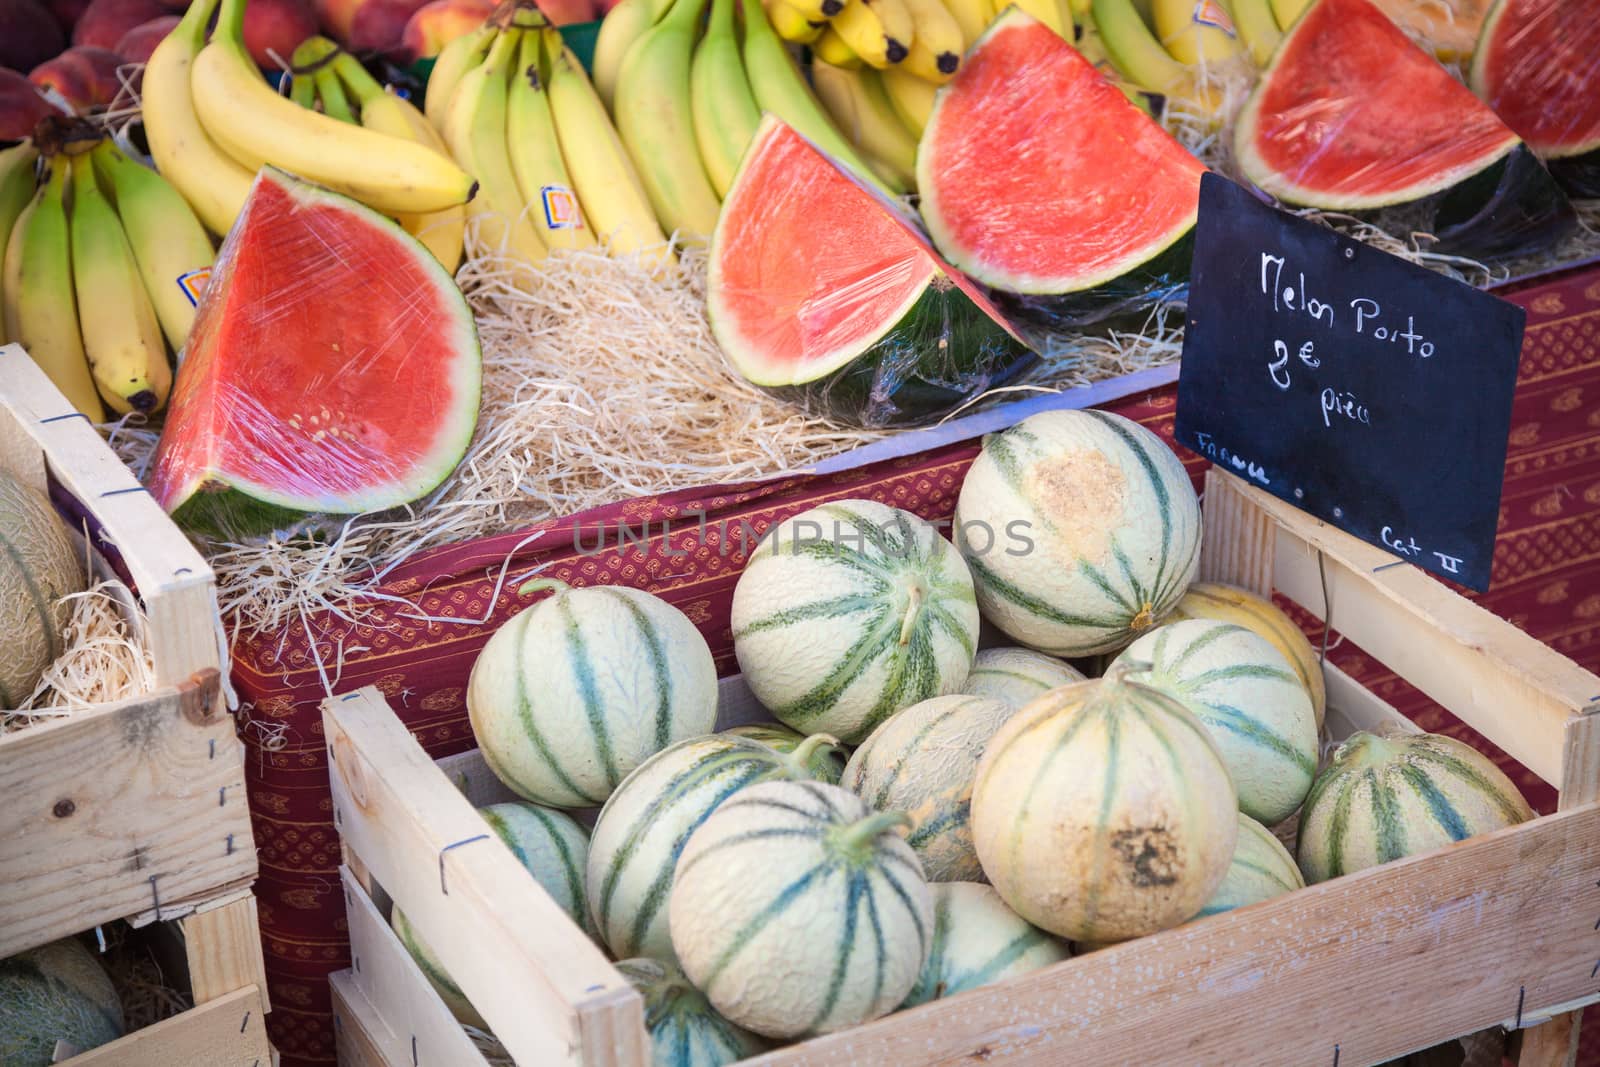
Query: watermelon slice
(821,290)
(1538,66)
(1352,116)
(333,367)
(1071,212)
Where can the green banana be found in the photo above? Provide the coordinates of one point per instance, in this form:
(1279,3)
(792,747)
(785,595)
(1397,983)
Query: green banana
(621,30)
(725,112)
(657,124)
(16,189)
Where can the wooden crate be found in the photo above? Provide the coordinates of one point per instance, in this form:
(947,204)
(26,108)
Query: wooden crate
(1498,930)
(135,810)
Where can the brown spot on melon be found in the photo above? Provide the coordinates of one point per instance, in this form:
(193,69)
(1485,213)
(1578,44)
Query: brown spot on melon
(1150,856)
(1079,496)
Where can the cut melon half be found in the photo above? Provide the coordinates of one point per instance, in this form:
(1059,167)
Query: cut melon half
(333,367)
(1054,201)
(823,290)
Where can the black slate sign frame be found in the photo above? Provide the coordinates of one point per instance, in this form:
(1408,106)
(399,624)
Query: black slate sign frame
(1365,390)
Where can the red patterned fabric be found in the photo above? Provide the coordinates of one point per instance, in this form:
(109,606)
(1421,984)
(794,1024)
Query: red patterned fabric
(1546,580)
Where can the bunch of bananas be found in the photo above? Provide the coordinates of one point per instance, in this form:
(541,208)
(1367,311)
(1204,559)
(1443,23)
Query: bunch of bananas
(687,103)
(212,121)
(516,109)
(1180,48)
(102,261)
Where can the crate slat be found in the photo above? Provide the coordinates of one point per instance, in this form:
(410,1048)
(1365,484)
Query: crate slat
(355,1023)
(222,943)
(230,1031)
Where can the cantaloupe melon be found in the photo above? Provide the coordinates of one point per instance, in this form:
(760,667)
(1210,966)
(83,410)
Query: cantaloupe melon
(685,1031)
(1103,811)
(39,565)
(849,612)
(797,910)
(921,761)
(1017,676)
(1249,698)
(579,689)
(978,940)
(1081,529)
(1261,869)
(644,826)
(1386,797)
(57,992)
(1228,603)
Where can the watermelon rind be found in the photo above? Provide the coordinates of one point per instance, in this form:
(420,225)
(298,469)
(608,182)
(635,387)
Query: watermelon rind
(931,349)
(1513,207)
(1292,189)
(1489,37)
(235,502)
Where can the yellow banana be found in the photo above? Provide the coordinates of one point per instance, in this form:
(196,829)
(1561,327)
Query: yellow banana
(1048,12)
(725,112)
(973,16)
(613,198)
(459,56)
(622,27)
(911,98)
(1136,53)
(1257,27)
(792,24)
(536,160)
(881,32)
(861,108)
(656,122)
(41,310)
(169,245)
(779,87)
(938,44)
(121,334)
(209,179)
(16,189)
(476,133)
(831,49)
(1196,32)
(440,232)
(815,10)
(255,125)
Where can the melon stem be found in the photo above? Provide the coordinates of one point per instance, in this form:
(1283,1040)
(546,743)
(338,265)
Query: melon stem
(913,609)
(858,835)
(1145,617)
(799,760)
(554,585)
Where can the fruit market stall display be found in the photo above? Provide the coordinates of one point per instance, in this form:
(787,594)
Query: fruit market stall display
(114,743)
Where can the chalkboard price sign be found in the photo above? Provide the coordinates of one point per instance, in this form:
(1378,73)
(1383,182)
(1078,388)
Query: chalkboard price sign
(1365,390)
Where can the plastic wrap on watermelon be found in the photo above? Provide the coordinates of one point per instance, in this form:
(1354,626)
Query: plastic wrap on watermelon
(1352,117)
(1077,214)
(1538,67)
(825,292)
(333,367)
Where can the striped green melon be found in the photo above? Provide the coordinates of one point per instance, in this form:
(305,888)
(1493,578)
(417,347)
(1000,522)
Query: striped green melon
(921,761)
(797,910)
(685,1031)
(1103,811)
(1081,528)
(552,846)
(38,567)
(582,687)
(849,612)
(1248,696)
(978,940)
(1227,603)
(56,992)
(827,760)
(1386,797)
(1261,869)
(1017,676)
(644,826)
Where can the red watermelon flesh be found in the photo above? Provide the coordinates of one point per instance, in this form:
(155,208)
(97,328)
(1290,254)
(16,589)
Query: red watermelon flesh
(1037,175)
(1352,115)
(1538,67)
(333,366)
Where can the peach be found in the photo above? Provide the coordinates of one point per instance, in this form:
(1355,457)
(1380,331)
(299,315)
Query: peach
(567,12)
(137,44)
(379,25)
(21,106)
(85,76)
(436,24)
(277,26)
(28,34)
(105,22)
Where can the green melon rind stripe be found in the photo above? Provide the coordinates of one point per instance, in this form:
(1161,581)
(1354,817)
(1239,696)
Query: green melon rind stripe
(583,671)
(904,897)
(882,952)
(1258,671)
(1438,805)
(1238,722)
(41,608)
(983,672)
(764,834)
(1386,817)
(836,608)
(845,948)
(1111,592)
(1108,797)
(860,656)
(1163,499)
(758,922)
(1339,824)
(1473,777)
(947,622)
(431,969)
(660,667)
(951,818)
(531,729)
(1212,635)
(1014,950)
(1017,598)
(886,784)
(569,864)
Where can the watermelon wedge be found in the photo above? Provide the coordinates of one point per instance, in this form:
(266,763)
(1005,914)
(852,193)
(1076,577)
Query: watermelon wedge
(333,367)
(1071,210)
(823,291)
(1352,116)
(1538,66)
